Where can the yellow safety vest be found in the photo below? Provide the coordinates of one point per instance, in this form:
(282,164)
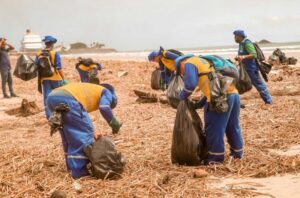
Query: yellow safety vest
(56,76)
(204,67)
(87,68)
(168,63)
(86,94)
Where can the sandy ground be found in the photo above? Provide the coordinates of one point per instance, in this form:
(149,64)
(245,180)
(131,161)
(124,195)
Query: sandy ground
(32,162)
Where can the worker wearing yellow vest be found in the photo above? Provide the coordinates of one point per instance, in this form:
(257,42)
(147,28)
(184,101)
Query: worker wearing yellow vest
(195,71)
(87,69)
(55,75)
(165,59)
(77,129)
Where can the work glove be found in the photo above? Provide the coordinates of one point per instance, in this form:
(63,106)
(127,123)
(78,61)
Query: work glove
(115,125)
(65,82)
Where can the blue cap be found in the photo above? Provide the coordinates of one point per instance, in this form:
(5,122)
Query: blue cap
(152,55)
(181,58)
(112,91)
(240,33)
(49,39)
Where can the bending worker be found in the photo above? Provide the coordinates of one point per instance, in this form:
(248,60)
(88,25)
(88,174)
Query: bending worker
(77,129)
(87,69)
(57,78)
(165,59)
(195,72)
(247,55)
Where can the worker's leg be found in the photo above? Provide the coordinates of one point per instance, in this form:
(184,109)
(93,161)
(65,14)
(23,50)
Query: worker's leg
(169,76)
(53,101)
(215,125)
(10,84)
(259,85)
(48,86)
(78,131)
(233,129)
(4,76)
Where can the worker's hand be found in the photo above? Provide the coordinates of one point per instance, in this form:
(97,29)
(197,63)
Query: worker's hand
(115,125)
(98,135)
(240,58)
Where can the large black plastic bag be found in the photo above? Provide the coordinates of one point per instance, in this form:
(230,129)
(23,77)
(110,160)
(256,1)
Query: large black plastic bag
(189,143)
(175,87)
(106,162)
(155,79)
(244,83)
(25,68)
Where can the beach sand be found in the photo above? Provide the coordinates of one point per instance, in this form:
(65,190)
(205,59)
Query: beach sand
(32,162)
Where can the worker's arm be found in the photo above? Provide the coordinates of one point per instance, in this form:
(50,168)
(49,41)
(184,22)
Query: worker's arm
(2,41)
(106,111)
(58,65)
(190,81)
(104,106)
(36,60)
(163,75)
(10,47)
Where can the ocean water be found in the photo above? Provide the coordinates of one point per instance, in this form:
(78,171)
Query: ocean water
(227,51)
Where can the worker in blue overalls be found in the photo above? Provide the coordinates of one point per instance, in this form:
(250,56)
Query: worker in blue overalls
(247,55)
(165,59)
(77,129)
(195,72)
(87,69)
(58,78)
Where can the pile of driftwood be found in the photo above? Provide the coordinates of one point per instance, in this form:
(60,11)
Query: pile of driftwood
(27,108)
(278,57)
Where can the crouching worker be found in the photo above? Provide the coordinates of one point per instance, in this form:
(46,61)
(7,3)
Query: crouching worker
(74,101)
(197,72)
(166,60)
(87,69)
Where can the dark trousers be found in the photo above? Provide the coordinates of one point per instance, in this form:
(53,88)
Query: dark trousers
(6,79)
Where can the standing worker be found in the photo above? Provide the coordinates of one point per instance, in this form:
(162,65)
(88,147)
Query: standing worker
(5,68)
(195,71)
(50,71)
(78,99)
(166,60)
(247,55)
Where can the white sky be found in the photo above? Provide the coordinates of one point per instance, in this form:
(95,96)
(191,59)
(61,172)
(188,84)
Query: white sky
(143,24)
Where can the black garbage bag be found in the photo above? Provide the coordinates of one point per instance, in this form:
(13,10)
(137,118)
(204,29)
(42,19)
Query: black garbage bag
(264,69)
(106,162)
(25,68)
(244,83)
(175,87)
(292,61)
(155,79)
(189,143)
